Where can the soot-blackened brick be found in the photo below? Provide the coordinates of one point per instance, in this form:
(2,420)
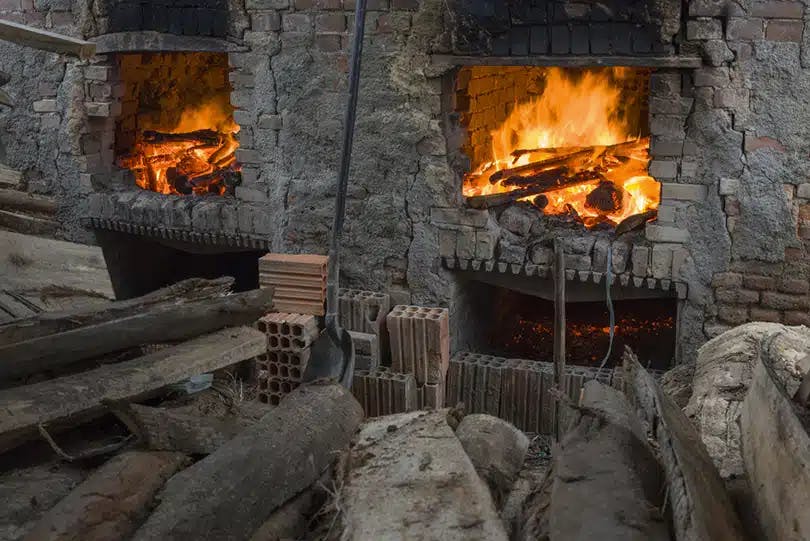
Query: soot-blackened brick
(520,41)
(538,40)
(190,22)
(205,21)
(560,39)
(642,40)
(500,45)
(600,38)
(580,39)
(126,17)
(176,20)
(220,27)
(156,17)
(621,41)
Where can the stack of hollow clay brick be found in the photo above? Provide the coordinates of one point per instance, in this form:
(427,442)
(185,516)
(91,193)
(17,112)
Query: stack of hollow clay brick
(281,368)
(420,345)
(298,280)
(363,313)
(516,390)
(383,392)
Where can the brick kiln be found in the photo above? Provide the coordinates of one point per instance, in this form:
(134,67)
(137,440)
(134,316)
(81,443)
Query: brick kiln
(662,145)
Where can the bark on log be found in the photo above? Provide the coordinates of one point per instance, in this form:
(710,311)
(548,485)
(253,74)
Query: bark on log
(164,429)
(162,323)
(701,507)
(229,494)
(47,323)
(604,481)
(71,399)
(111,502)
(24,201)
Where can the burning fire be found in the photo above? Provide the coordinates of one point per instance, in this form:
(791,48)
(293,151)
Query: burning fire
(194,156)
(572,150)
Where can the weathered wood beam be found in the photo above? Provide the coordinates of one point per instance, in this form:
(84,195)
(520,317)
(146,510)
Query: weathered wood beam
(47,323)
(24,201)
(70,399)
(158,324)
(37,38)
(25,224)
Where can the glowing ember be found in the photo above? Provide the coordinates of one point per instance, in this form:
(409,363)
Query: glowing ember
(574,147)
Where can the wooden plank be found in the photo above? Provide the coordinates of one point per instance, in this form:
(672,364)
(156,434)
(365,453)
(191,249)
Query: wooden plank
(660,61)
(23,409)
(57,321)
(9,177)
(19,222)
(160,324)
(24,201)
(36,38)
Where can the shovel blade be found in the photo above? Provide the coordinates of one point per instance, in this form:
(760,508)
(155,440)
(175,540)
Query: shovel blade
(332,357)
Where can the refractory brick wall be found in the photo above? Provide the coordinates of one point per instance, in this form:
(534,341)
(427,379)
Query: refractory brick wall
(730,143)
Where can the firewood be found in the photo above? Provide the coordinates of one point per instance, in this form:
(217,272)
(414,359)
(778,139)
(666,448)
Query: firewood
(230,493)
(111,501)
(72,399)
(47,323)
(505,198)
(631,223)
(23,201)
(162,323)
(587,154)
(47,41)
(206,137)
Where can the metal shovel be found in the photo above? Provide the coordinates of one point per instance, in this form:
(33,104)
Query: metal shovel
(333,351)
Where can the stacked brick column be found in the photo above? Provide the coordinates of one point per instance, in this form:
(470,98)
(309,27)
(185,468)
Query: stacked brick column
(280,370)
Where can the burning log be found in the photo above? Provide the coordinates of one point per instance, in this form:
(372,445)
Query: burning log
(204,137)
(585,154)
(631,223)
(605,198)
(535,188)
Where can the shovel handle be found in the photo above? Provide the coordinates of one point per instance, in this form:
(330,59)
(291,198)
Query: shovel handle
(345,161)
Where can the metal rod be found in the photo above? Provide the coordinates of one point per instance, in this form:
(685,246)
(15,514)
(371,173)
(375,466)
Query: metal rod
(559,329)
(345,161)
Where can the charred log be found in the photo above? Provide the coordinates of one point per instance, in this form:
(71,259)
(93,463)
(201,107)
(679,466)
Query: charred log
(631,223)
(605,198)
(205,137)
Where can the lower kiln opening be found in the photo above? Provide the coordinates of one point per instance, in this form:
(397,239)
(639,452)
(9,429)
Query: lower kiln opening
(511,324)
(138,266)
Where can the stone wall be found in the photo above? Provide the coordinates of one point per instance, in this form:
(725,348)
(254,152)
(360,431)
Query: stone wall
(747,100)
(729,144)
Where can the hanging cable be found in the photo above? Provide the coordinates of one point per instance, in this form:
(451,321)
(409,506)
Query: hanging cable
(608,280)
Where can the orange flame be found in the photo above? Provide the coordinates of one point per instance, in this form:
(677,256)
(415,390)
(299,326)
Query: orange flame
(577,110)
(197,160)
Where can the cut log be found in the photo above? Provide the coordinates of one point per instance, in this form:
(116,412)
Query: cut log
(110,503)
(496,449)
(47,41)
(53,322)
(605,481)
(162,323)
(411,479)
(164,429)
(73,398)
(701,508)
(776,449)
(229,494)
(533,188)
(23,201)
(606,198)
